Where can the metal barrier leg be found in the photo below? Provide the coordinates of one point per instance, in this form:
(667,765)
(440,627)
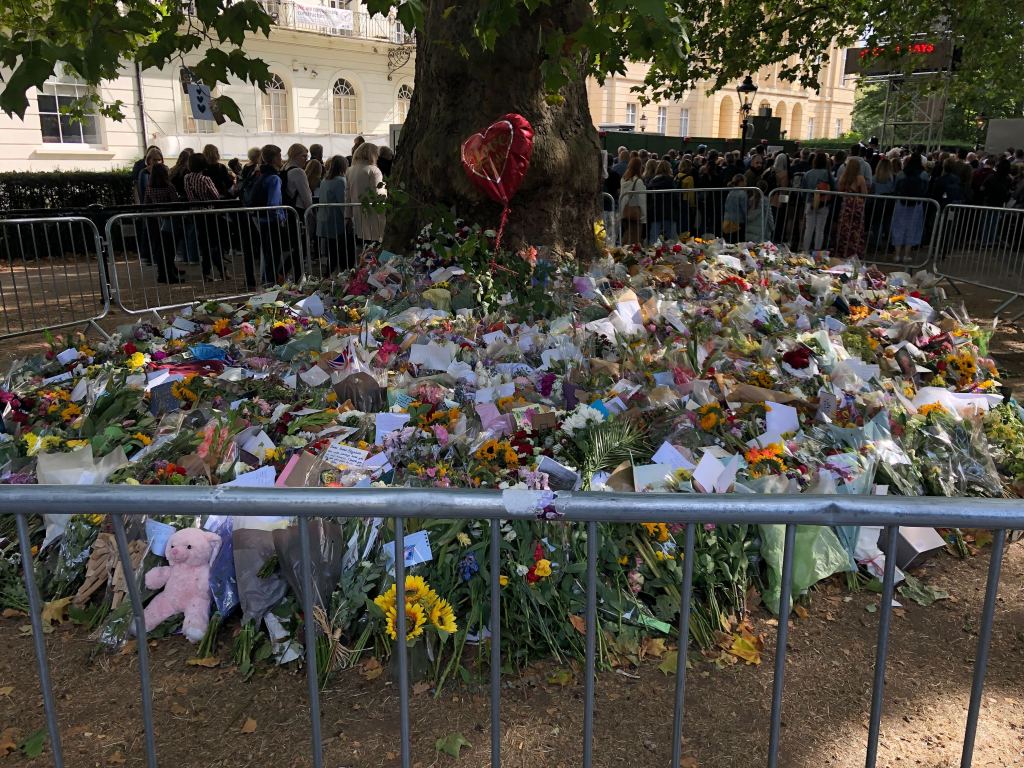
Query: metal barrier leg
(1006,304)
(780,648)
(38,640)
(495,643)
(684,646)
(591,650)
(400,631)
(135,596)
(310,628)
(984,641)
(885,615)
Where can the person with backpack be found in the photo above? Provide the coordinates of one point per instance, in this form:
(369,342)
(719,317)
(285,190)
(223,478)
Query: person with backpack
(295,193)
(262,189)
(908,216)
(816,206)
(632,203)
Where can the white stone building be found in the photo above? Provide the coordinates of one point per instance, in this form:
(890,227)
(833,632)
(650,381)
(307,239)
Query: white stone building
(338,72)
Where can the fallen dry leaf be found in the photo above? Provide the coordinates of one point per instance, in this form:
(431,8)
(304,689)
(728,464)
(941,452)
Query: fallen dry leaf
(653,647)
(55,612)
(129,647)
(206,661)
(747,646)
(8,741)
(11,613)
(116,759)
(800,611)
(371,669)
(177,709)
(421,687)
(688,762)
(249,726)
(578,623)
(7,690)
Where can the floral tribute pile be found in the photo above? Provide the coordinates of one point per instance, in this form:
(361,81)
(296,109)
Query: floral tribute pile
(697,367)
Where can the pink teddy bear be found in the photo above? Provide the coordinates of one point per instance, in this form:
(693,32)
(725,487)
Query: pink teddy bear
(186,582)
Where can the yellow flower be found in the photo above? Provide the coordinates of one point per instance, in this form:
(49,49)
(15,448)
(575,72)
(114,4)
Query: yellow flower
(31,443)
(659,530)
(332,397)
(488,451)
(71,412)
(928,409)
(659,554)
(503,580)
(442,616)
(543,568)
(464,539)
(137,360)
(709,416)
(142,438)
(353,314)
(73,444)
(415,618)
(220,325)
(624,560)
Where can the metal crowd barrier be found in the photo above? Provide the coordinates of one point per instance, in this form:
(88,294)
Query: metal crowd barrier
(672,214)
(330,238)
(610,218)
(587,509)
(983,246)
(893,230)
(51,275)
(162,260)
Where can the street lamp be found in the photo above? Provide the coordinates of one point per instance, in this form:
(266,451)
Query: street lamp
(980,121)
(746,91)
(643,122)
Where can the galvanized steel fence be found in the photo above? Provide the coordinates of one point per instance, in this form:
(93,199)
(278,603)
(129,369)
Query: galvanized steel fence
(51,274)
(58,272)
(587,509)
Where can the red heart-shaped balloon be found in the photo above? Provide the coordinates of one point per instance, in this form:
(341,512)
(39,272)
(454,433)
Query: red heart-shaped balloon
(497,159)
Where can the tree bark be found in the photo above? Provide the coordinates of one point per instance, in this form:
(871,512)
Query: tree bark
(458,95)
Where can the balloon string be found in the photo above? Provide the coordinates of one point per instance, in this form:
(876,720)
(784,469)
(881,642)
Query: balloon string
(497,243)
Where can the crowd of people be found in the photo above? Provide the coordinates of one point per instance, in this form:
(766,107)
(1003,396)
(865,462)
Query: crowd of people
(270,181)
(650,197)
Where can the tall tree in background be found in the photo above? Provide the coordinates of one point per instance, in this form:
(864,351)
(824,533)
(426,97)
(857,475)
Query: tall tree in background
(478,59)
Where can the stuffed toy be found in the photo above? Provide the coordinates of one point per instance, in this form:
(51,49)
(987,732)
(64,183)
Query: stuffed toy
(186,582)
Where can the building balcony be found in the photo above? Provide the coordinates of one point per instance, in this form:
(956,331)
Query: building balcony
(336,22)
(322,19)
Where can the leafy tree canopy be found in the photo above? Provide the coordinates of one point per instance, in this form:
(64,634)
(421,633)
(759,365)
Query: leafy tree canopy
(697,43)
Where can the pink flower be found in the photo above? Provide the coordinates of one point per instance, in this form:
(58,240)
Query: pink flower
(159,355)
(387,349)
(442,436)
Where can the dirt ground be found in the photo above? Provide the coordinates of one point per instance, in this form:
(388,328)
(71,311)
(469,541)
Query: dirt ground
(201,712)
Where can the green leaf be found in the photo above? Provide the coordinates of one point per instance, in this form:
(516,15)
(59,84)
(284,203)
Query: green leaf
(33,745)
(452,744)
(919,592)
(670,664)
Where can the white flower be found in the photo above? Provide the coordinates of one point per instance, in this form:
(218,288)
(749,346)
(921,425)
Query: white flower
(510,535)
(522,570)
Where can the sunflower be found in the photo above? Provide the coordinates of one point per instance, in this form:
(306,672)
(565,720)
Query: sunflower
(488,451)
(415,619)
(928,409)
(417,590)
(765,461)
(710,416)
(442,616)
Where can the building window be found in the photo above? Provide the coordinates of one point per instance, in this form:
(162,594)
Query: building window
(275,106)
(810,127)
(61,93)
(346,107)
(684,122)
(631,114)
(662,120)
(839,127)
(404,97)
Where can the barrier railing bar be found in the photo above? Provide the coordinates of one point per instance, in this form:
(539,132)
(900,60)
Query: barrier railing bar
(591,642)
(400,631)
(135,596)
(882,647)
(684,646)
(785,592)
(308,603)
(14,279)
(495,643)
(481,504)
(984,642)
(39,640)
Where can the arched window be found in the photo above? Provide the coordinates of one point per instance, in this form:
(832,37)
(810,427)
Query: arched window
(346,107)
(275,106)
(402,109)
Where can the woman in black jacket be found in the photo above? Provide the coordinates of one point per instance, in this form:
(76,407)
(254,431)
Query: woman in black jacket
(662,204)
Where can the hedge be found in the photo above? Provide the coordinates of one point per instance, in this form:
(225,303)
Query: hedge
(65,189)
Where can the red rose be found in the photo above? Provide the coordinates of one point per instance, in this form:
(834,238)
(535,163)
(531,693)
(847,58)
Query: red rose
(279,334)
(388,333)
(129,349)
(677,248)
(531,575)
(798,358)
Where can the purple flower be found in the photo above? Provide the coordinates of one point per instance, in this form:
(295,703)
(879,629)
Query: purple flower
(546,383)
(468,567)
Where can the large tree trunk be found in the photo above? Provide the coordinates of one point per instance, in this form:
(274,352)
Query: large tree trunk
(456,96)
